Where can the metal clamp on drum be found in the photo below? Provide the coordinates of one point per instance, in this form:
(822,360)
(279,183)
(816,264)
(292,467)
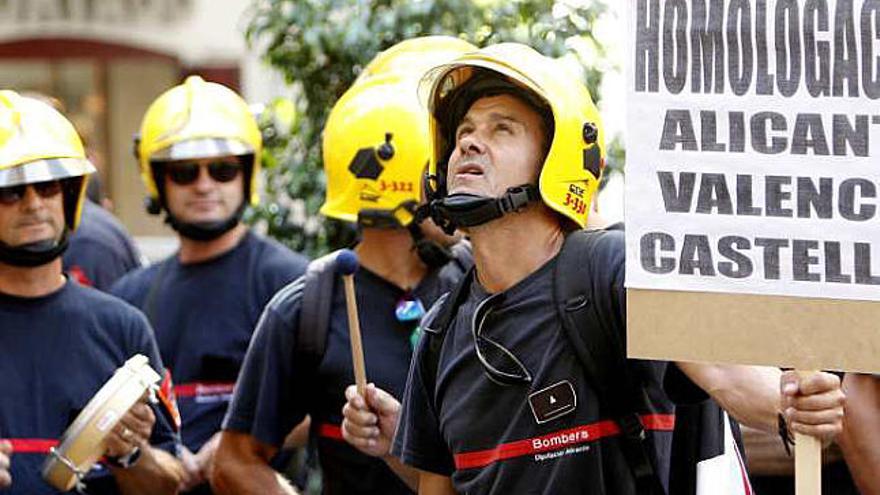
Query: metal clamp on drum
(83,443)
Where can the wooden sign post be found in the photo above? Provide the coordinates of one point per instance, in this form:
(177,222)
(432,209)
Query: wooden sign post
(807,463)
(752,211)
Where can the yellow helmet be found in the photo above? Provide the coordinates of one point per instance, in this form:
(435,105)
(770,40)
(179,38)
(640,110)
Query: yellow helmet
(376,137)
(416,55)
(38,144)
(576,155)
(198,119)
(375,151)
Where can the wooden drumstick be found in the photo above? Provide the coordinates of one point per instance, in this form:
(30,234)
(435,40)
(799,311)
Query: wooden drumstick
(346,265)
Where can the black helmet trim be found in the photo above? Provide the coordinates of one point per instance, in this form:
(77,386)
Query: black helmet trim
(206,231)
(432,253)
(198,231)
(71,188)
(35,253)
(484,84)
(41,252)
(386,219)
(469,210)
(154,206)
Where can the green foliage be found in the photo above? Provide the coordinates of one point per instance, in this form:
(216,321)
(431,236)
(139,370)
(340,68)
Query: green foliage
(616,157)
(322,45)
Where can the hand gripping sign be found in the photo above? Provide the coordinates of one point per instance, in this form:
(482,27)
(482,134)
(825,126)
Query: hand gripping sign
(752,219)
(83,442)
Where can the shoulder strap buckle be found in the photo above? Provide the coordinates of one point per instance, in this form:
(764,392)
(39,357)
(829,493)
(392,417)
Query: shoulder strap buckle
(516,198)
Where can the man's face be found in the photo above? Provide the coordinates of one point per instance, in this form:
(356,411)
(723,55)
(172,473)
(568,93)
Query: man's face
(31,213)
(204,189)
(498,145)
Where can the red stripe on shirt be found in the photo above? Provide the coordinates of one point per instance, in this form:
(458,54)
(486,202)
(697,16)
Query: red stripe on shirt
(556,441)
(658,422)
(31,445)
(203,389)
(328,430)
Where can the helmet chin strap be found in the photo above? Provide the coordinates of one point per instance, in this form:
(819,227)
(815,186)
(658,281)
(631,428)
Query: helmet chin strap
(205,231)
(35,253)
(470,210)
(432,254)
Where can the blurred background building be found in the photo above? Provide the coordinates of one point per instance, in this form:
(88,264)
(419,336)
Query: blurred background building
(106,60)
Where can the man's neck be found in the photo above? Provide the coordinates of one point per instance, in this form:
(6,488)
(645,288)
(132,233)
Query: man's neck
(192,251)
(511,248)
(390,254)
(35,281)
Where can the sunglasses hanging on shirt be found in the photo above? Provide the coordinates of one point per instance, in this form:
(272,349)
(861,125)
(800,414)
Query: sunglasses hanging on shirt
(499,364)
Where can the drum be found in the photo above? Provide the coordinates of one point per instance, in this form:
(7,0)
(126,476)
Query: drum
(83,443)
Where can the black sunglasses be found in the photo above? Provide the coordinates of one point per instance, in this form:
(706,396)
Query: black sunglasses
(184,174)
(509,370)
(13,194)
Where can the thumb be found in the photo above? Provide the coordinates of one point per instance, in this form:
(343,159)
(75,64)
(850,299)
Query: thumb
(353,398)
(381,401)
(789,383)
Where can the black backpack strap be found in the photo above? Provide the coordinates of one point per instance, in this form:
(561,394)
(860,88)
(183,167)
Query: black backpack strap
(594,329)
(314,315)
(434,325)
(462,255)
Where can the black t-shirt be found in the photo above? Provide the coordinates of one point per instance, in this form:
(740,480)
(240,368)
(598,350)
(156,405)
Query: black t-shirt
(100,250)
(278,387)
(58,350)
(489,438)
(204,315)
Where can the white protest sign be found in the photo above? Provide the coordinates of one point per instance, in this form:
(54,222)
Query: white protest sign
(753,168)
(753,230)
(753,147)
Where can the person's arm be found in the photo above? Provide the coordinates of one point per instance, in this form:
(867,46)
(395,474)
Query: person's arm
(299,436)
(197,465)
(860,440)
(435,484)
(754,395)
(369,426)
(241,467)
(749,393)
(154,471)
(265,406)
(5,454)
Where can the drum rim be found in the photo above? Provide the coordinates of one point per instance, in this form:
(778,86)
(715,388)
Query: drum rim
(135,370)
